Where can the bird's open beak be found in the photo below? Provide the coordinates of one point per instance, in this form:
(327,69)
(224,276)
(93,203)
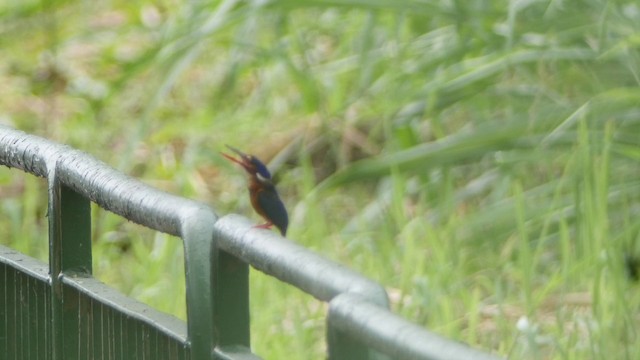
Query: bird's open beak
(243,157)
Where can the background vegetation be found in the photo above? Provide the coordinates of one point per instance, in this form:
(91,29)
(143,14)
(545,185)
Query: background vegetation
(478,158)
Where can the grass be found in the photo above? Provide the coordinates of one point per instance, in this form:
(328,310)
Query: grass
(478,159)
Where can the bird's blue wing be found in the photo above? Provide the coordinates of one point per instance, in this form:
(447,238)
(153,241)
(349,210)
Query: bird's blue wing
(274,209)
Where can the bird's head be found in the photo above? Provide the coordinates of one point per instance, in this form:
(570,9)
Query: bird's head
(251,164)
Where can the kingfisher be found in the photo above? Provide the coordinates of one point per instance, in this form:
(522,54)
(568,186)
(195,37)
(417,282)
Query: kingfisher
(262,191)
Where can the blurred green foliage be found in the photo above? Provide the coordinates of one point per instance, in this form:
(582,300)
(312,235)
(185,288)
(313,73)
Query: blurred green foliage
(480,159)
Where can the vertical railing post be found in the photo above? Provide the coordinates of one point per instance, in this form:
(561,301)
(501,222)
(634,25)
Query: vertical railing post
(341,342)
(69,250)
(341,346)
(197,234)
(231,300)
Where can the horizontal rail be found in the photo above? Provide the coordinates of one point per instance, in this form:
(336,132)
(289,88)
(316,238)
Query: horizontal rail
(98,182)
(390,334)
(292,263)
(234,353)
(25,264)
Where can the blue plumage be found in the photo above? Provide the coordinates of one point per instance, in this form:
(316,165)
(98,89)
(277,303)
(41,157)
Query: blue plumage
(261,168)
(273,208)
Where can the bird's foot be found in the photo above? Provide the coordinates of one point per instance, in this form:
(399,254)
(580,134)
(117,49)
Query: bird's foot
(267,225)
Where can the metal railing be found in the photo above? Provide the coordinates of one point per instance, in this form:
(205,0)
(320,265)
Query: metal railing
(61,312)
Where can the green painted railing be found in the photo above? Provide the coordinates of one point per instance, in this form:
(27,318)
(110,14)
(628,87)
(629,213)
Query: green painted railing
(59,311)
